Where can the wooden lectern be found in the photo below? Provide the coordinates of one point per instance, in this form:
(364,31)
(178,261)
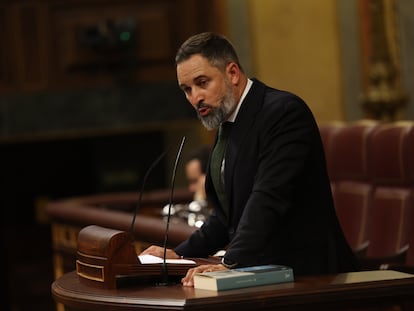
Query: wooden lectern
(107,257)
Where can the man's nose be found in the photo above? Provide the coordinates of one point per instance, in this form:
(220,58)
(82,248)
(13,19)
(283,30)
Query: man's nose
(196,97)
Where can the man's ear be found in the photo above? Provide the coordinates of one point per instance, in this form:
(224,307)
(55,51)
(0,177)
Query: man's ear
(233,73)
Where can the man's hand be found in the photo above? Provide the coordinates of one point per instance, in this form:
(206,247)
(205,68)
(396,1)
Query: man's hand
(188,279)
(159,252)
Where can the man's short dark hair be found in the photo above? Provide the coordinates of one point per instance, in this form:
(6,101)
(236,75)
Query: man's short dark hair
(216,48)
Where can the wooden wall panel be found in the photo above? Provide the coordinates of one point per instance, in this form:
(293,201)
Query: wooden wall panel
(46,52)
(7,60)
(30,34)
(72,60)
(152,33)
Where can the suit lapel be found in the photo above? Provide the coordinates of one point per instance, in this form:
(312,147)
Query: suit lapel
(245,119)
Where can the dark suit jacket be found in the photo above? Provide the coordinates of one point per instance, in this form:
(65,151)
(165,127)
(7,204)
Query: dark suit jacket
(281,209)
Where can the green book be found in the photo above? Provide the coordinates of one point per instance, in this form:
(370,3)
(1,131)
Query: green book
(243,277)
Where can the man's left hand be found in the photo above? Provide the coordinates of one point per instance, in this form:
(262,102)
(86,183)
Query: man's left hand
(188,280)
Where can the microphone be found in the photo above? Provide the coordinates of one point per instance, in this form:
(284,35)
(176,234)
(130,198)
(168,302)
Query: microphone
(164,271)
(138,206)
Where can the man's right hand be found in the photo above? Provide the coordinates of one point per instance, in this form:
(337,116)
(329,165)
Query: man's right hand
(159,252)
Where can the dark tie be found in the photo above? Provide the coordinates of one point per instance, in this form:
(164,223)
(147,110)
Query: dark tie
(216,167)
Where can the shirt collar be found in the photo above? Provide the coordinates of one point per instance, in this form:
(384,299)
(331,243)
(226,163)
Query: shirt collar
(233,116)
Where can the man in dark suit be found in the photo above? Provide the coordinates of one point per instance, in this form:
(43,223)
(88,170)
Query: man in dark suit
(271,192)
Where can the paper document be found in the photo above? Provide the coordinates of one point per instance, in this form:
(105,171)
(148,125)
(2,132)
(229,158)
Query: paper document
(148,259)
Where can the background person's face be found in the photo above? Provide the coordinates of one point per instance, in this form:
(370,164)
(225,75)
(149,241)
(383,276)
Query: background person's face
(193,173)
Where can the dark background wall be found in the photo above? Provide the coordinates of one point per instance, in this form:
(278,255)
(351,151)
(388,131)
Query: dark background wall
(88,100)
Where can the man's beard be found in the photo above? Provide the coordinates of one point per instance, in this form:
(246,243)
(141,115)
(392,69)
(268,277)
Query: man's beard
(220,114)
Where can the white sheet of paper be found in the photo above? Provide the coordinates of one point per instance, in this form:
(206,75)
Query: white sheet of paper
(148,259)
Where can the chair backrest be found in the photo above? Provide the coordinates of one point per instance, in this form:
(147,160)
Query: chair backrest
(390,209)
(352,190)
(328,131)
(409,261)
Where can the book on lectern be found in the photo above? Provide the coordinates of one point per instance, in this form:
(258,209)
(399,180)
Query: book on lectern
(243,277)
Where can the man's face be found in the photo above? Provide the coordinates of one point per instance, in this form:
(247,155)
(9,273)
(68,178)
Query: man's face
(208,90)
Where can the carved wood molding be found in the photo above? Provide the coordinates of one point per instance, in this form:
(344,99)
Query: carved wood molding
(383,97)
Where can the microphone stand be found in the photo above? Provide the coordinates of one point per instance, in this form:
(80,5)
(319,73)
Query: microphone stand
(138,206)
(164,271)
